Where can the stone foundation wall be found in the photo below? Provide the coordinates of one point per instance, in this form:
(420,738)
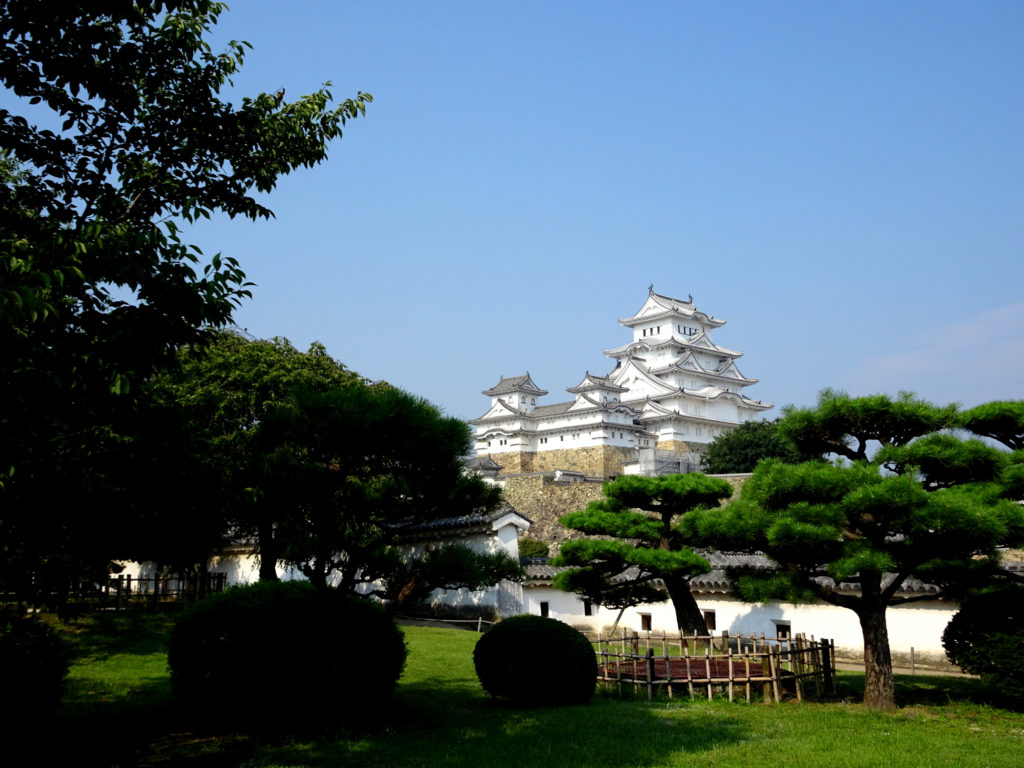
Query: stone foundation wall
(513,462)
(679,447)
(543,501)
(602,461)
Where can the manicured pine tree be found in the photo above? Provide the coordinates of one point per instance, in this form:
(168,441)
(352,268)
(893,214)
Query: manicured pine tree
(905,500)
(641,544)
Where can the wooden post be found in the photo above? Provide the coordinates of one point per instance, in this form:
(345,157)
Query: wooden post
(650,674)
(732,676)
(668,667)
(774,667)
(689,674)
(826,666)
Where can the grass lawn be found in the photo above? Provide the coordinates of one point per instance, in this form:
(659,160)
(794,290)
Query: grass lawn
(118,711)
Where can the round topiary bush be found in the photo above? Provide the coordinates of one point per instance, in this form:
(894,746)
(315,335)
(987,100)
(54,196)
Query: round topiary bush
(535,660)
(283,655)
(34,660)
(986,638)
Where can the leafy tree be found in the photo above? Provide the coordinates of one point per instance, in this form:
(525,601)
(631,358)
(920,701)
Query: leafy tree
(223,391)
(741,449)
(98,288)
(408,581)
(642,543)
(353,466)
(913,503)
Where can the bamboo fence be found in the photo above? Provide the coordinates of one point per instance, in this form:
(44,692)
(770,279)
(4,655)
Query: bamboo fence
(734,664)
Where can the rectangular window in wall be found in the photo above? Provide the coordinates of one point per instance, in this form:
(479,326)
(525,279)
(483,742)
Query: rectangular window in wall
(544,610)
(783,629)
(709,619)
(588,608)
(645,622)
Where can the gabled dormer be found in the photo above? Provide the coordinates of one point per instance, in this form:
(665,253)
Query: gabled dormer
(597,390)
(517,392)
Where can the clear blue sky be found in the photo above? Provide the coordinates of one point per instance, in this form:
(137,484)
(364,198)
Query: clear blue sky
(842,182)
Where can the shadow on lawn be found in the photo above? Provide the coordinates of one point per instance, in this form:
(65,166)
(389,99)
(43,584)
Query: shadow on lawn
(923,690)
(453,723)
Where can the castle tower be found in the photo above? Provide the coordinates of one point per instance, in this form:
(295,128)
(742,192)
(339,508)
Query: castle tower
(671,392)
(687,388)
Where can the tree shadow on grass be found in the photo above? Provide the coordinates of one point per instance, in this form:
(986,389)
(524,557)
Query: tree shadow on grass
(923,690)
(453,723)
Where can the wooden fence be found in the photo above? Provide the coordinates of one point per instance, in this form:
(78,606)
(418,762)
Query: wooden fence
(123,591)
(778,666)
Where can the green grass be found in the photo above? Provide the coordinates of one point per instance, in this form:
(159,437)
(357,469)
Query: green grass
(118,711)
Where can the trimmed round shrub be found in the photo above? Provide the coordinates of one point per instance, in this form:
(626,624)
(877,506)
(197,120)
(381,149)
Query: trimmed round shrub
(532,660)
(34,660)
(283,655)
(986,638)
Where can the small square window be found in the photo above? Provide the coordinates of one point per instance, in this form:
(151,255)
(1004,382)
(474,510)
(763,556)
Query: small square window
(645,622)
(783,629)
(709,619)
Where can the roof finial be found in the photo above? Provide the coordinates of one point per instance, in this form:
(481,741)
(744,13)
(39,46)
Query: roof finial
(691,298)
(650,288)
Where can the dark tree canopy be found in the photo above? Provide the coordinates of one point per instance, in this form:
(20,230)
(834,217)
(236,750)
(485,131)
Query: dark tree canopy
(124,139)
(928,505)
(223,391)
(347,469)
(741,449)
(642,542)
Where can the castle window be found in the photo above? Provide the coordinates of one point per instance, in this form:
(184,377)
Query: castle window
(588,608)
(544,609)
(645,622)
(709,619)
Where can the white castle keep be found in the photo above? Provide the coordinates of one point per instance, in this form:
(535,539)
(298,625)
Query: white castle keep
(671,392)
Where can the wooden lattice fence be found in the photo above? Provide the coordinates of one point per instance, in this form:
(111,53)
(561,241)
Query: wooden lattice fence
(734,664)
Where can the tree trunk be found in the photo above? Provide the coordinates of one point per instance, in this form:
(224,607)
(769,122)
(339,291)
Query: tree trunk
(688,616)
(267,552)
(879,687)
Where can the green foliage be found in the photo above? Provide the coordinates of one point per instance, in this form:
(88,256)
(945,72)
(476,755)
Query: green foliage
(98,286)
(282,654)
(349,468)
(645,518)
(409,581)
(741,449)
(221,393)
(532,660)
(928,504)
(34,662)
(533,548)
(986,638)
(847,426)
(1000,420)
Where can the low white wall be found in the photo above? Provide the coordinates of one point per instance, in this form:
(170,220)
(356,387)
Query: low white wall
(916,625)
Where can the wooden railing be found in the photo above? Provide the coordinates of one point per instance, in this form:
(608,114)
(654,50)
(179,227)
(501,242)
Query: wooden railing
(778,666)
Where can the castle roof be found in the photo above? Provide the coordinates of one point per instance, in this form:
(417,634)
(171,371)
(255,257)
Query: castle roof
(523,383)
(659,306)
(463,524)
(591,382)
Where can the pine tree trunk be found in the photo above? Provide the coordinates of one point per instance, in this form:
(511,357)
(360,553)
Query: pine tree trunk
(688,616)
(879,687)
(267,553)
